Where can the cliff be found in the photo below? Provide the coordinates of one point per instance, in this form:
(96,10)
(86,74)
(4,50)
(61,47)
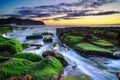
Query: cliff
(19,21)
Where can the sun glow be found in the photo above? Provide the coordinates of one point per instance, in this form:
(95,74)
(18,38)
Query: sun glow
(107,19)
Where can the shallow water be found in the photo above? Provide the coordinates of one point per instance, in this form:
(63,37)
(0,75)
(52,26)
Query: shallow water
(96,68)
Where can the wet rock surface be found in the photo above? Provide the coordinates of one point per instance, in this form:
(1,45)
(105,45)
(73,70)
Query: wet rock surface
(96,41)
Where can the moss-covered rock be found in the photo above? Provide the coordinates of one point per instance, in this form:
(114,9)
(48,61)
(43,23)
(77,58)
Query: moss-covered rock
(42,70)
(9,46)
(81,77)
(46,33)
(46,69)
(5,29)
(3,59)
(47,39)
(102,43)
(24,77)
(57,55)
(14,67)
(35,36)
(25,45)
(71,39)
(29,56)
(92,49)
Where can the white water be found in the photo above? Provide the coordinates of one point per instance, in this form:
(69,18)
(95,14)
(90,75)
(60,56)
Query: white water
(96,68)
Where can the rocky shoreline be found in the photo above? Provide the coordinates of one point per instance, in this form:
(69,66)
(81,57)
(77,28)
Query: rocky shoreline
(99,41)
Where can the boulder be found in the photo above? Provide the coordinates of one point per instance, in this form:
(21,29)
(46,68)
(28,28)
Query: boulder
(43,70)
(8,47)
(57,55)
(34,36)
(25,77)
(47,33)
(47,39)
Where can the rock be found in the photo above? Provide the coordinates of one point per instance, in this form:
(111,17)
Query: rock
(57,55)
(47,33)
(26,77)
(102,43)
(47,39)
(71,39)
(3,59)
(25,45)
(5,29)
(19,21)
(118,75)
(88,41)
(90,49)
(58,77)
(29,56)
(8,47)
(35,36)
(46,69)
(14,68)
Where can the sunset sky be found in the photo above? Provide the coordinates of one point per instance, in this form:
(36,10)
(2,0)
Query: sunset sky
(63,12)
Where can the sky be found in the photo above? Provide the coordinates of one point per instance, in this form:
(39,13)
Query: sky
(63,12)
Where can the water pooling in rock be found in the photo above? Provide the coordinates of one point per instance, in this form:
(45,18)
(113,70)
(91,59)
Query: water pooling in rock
(96,68)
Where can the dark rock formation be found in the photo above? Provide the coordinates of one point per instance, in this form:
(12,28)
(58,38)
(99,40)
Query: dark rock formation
(18,21)
(35,36)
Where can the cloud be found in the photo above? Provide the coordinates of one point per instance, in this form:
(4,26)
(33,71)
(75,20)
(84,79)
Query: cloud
(106,13)
(93,14)
(72,10)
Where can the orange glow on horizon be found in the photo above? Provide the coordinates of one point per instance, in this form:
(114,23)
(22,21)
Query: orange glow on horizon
(88,20)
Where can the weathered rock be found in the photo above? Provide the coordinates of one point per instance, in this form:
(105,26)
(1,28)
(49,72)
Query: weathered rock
(35,36)
(42,70)
(96,41)
(46,33)
(47,39)
(8,47)
(26,77)
(57,55)
(29,56)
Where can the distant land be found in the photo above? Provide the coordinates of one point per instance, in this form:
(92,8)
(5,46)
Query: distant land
(19,21)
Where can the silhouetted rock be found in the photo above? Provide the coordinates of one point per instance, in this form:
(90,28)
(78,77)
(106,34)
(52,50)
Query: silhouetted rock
(18,21)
